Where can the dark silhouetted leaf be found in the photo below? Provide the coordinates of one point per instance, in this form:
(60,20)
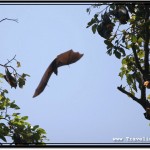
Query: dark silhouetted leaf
(117,54)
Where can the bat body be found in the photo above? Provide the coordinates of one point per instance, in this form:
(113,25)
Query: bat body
(10,79)
(65,58)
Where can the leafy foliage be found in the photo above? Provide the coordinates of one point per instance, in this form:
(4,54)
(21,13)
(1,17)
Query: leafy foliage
(125,28)
(14,125)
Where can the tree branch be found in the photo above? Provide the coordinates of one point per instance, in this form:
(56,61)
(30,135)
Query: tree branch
(10,60)
(143,93)
(16,20)
(6,66)
(132,96)
(146,40)
(137,59)
(146,54)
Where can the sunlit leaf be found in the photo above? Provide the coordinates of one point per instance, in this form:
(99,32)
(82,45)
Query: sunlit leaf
(140,40)
(1,75)
(148,97)
(24,118)
(128,46)
(41,131)
(35,127)
(18,64)
(133,39)
(132,92)
(15,114)
(141,54)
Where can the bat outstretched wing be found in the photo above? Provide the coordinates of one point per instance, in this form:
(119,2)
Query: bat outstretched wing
(65,58)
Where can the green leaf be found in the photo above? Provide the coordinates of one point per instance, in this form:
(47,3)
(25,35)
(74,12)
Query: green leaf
(18,64)
(36,136)
(133,39)
(109,52)
(124,62)
(96,16)
(128,46)
(24,75)
(1,75)
(132,92)
(15,114)
(21,82)
(108,43)
(129,79)
(88,10)
(93,20)
(94,27)
(122,51)
(24,118)
(141,54)
(134,86)
(3,138)
(140,40)
(1,97)
(1,116)
(13,105)
(41,131)
(35,127)
(117,54)
(5,91)
(148,97)
(121,74)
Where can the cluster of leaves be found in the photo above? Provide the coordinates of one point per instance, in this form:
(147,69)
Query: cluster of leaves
(12,124)
(125,28)
(13,78)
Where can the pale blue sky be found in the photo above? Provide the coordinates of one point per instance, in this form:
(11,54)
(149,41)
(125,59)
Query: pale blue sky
(81,104)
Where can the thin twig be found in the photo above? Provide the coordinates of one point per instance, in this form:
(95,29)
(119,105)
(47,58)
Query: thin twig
(16,20)
(4,119)
(117,30)
(102,10)
(6,66)
(10,60)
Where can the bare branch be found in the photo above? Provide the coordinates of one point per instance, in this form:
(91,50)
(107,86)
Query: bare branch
(132,96)
(10,60)
(6,66)
(143,93)
(102,10)
(16,20)
(4,119)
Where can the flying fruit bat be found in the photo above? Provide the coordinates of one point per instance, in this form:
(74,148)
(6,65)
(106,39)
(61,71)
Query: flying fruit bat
(65,58)
(10,79)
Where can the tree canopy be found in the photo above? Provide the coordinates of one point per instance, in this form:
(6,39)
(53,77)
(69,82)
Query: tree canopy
(13,126)
(125,29)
